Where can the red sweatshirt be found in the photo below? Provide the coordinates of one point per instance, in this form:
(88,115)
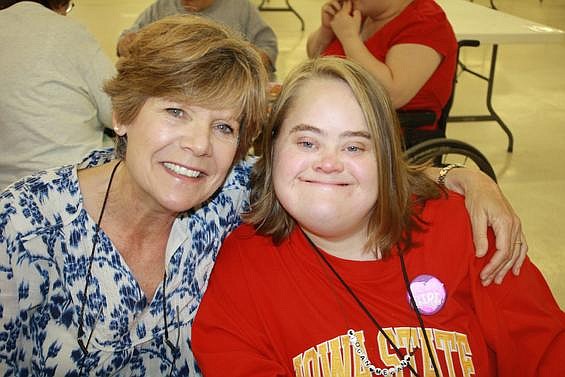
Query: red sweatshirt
(279,311)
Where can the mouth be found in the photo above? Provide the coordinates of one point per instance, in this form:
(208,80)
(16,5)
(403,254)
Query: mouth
(325,183)
(181,170)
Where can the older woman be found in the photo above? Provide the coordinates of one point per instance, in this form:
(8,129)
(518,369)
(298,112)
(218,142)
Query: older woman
(103,264)
(355,264)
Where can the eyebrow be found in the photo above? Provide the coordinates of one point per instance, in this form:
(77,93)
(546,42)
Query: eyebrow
(316,130)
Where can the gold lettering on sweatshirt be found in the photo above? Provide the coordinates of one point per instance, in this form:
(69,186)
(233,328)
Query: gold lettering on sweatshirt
(336,357)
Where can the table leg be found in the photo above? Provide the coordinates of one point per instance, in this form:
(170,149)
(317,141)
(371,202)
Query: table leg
(288,8)
(492,113)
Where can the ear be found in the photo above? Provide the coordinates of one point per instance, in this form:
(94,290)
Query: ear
(119,129)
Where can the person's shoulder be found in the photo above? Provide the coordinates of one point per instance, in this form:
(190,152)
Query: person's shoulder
(237,8)
(428,10)
(448,209)
(48,196)
(247,234)
(238,177)
(246,240)
(449,200)
(40,200)
(247,252)
(427,6)
(97,157)
(244,3)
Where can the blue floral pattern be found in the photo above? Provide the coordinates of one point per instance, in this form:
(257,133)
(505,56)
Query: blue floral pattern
(45,240)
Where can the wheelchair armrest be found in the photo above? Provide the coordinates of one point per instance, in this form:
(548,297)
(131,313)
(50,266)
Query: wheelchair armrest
(468,43)
(416,118)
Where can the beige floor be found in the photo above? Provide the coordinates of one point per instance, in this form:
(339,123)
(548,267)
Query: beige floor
(529,95)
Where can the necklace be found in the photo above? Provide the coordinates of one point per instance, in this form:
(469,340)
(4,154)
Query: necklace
(405,359)
(83,346)
(175,350)
(405,362)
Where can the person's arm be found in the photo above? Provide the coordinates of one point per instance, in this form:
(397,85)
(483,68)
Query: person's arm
(488,207)
(227,336)
(100,69)
(398,74)
(263,37)
(322,37)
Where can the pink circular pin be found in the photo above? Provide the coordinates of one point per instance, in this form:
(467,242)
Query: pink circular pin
(429,294)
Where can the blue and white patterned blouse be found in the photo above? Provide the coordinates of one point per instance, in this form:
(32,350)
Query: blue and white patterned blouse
(45,242)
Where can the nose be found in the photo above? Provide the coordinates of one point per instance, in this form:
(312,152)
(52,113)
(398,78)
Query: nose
(329,162)
(197,138)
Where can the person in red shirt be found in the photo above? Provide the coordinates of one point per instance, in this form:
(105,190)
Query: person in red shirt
(408,45)
(353,263)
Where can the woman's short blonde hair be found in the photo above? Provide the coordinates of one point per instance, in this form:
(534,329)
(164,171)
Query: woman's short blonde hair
(194,60)
(394,215)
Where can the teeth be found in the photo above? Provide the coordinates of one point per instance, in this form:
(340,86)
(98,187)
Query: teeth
(182,170)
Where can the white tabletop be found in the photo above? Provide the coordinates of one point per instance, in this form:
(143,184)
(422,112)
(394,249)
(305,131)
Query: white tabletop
(475,21)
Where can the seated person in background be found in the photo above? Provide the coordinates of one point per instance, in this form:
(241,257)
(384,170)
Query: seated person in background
(52,107)
(241,15)
(407,45)
(356,264)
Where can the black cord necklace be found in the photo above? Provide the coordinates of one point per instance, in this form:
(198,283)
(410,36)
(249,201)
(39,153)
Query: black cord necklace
(83,346)
(371,317)
(175,350)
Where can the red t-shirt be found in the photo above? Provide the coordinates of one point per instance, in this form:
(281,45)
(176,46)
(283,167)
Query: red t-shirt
(421,22)
(279,311)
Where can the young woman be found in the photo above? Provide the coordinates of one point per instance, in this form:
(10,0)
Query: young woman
(356,264)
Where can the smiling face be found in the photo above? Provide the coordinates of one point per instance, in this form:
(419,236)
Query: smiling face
(324,165)
(178,155)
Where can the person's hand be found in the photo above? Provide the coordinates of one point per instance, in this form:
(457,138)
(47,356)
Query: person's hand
(124,43)
(346,23)
(329,10)
(487,206)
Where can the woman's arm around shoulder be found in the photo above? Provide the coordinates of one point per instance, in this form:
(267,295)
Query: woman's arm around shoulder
(487,207)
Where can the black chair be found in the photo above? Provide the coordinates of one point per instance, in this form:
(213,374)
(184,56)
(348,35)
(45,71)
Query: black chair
(432,145)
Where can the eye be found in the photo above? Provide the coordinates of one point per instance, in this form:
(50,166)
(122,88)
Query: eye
(177,113)
(224,128)
(355,148)
(306,144)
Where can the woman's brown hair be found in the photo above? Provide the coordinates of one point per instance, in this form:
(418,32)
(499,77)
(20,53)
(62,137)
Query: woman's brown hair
(194,60)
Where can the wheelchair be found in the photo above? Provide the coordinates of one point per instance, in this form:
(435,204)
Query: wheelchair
(423,146)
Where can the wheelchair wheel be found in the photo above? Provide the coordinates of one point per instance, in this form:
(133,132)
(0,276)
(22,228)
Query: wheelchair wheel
(444,151)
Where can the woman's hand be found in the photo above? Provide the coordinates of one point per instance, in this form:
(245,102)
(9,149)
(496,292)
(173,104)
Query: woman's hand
(487,206)
(329,10)
(323,36)
(346,23)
